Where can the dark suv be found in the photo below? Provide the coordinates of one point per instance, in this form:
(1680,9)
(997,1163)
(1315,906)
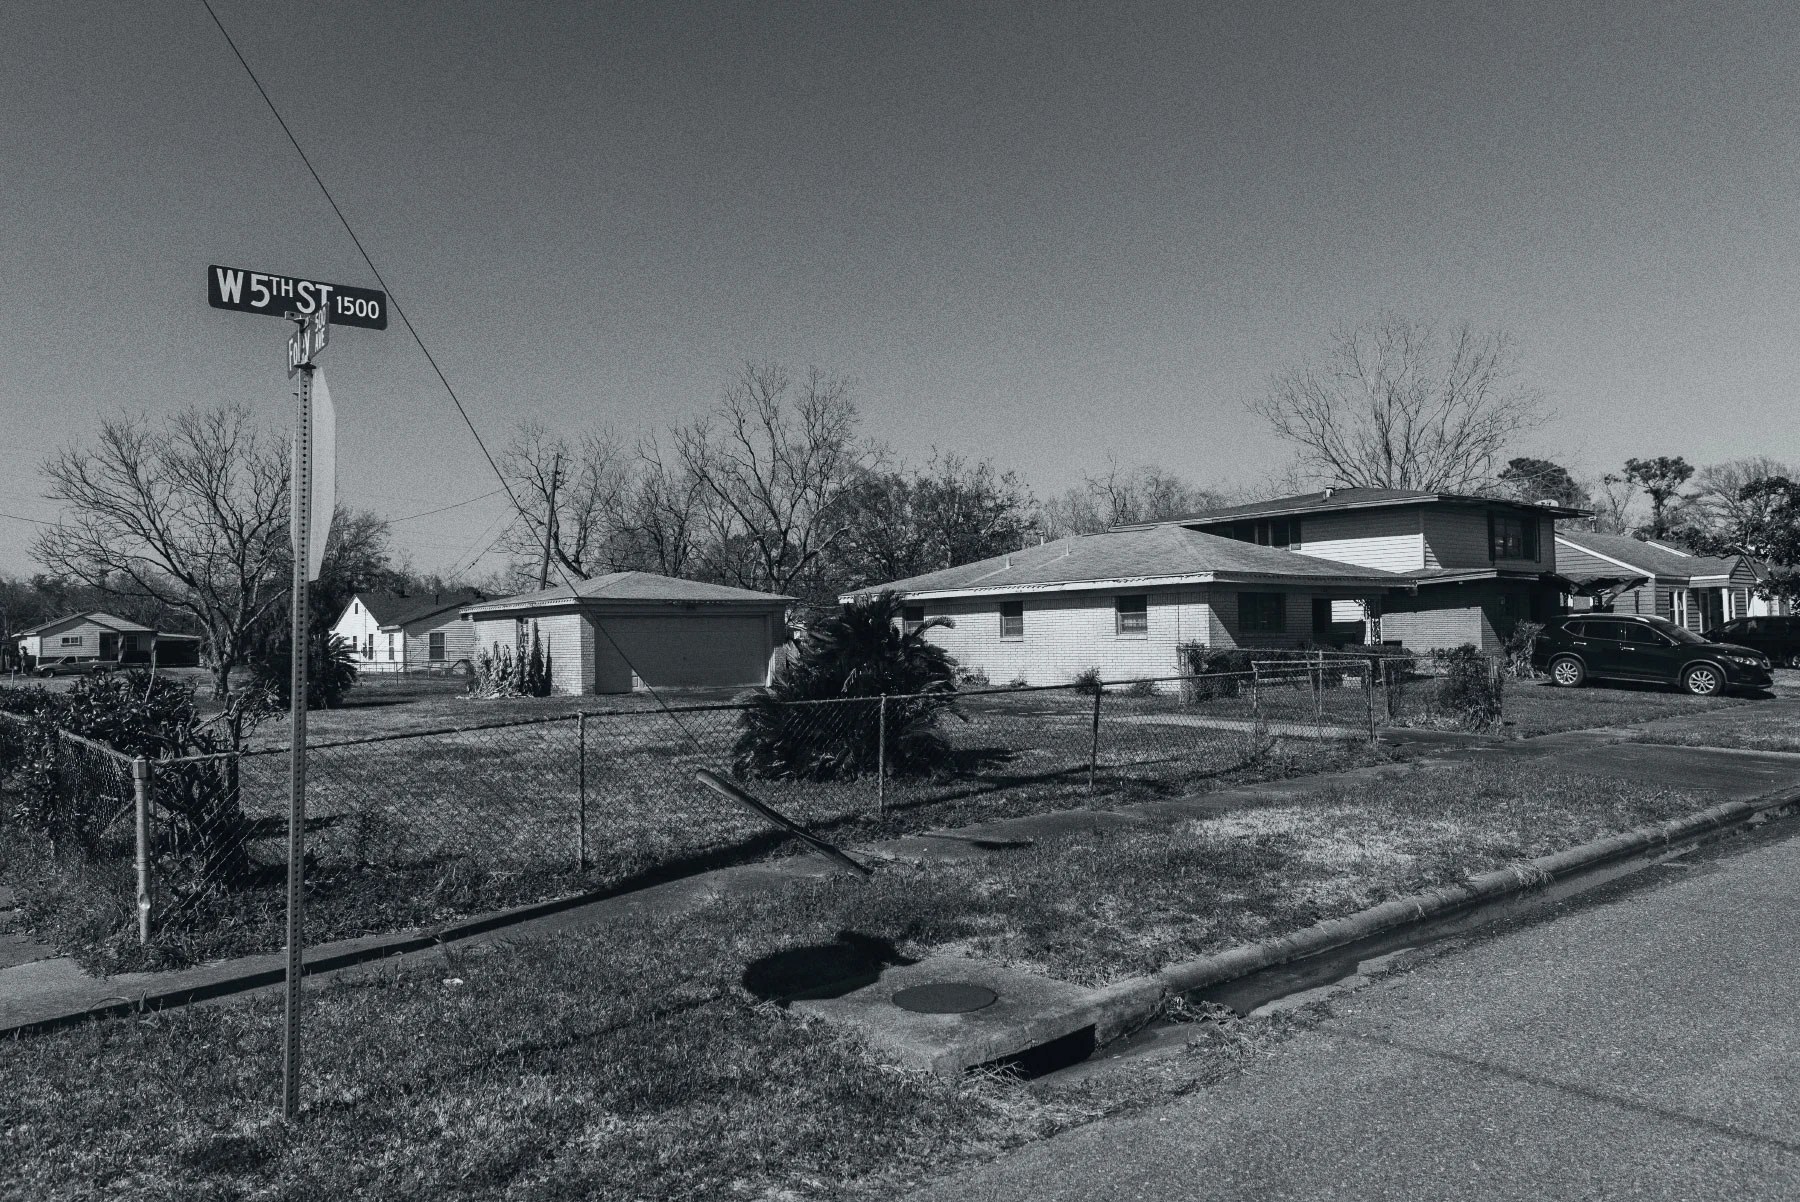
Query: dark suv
(1776,637)
(1628,647)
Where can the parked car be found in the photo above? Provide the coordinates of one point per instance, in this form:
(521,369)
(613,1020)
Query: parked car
(70,665)
(1776,637)
(1576,649)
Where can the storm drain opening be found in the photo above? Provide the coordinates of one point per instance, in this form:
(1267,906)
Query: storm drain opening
(1046,1058)
(945,997)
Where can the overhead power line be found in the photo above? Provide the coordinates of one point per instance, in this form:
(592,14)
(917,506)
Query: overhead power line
(400,312)
(446,508)
(393,300)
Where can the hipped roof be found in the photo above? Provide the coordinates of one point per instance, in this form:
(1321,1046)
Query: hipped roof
(1353,498)
(640,587)
(1172,553)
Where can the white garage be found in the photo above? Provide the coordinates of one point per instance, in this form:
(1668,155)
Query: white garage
(631,630)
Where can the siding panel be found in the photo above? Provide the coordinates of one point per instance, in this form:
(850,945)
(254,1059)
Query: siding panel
(1382,538)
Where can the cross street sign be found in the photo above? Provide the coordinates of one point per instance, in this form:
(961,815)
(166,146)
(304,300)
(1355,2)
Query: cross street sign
(276,295)
(307,341)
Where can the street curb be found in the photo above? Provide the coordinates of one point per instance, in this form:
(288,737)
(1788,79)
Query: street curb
(1125,1006)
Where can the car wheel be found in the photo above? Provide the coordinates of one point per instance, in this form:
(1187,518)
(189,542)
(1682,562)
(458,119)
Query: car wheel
(1567,672)
(1703,680)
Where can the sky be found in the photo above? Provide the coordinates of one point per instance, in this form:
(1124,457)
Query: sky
(1041,233)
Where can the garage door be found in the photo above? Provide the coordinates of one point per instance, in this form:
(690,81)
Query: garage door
(691,650)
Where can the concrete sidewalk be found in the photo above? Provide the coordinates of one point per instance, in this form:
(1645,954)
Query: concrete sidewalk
(39,988)
(1642,1045)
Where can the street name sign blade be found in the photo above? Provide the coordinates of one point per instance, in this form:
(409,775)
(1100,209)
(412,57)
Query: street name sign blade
(274,295)
(307,341)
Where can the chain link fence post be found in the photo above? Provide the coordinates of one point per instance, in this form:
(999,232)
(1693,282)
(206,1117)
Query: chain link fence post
(881,758)
(581,852)
(1094,741)
(140,792)
(1368,675)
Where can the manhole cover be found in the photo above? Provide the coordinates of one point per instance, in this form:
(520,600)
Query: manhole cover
(945,997)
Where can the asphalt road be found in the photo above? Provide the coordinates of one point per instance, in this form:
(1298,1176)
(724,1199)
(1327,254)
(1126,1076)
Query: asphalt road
(1645,1045)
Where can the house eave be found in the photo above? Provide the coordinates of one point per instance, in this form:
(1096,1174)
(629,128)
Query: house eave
(1121,583)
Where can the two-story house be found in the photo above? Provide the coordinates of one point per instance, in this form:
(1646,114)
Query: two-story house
(1480,564)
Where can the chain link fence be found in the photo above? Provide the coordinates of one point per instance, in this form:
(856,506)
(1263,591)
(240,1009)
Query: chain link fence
(410,830)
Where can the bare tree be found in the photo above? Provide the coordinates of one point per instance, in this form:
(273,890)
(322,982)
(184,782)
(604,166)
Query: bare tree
(571,497)
(1397,405)
(1719,492)
(771,464)
(1125,496)
(663,518)
(192,516)
(1615,500)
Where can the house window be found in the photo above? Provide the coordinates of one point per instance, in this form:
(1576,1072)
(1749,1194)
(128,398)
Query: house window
(911,617)
(390,646)
(369,646)
(1012,619)
(436,640)
(1512,537)
(71,640)
(1262,613)
(1132,615)
(1266,532)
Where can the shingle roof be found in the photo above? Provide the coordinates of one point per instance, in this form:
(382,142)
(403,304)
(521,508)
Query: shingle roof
(1152,551)
(1652,559)
(634,586)
(96,616)
(1349,498)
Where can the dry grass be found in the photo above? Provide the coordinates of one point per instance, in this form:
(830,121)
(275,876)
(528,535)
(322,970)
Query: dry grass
(632,1062)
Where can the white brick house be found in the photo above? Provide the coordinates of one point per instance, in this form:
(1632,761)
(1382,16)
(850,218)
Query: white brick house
(626,630)
(1124,601)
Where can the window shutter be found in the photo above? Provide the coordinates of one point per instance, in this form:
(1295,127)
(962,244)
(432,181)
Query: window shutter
(1490,517)
(1531,537)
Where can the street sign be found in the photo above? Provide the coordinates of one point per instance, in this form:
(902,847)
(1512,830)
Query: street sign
(323,474)
(307,341)
(277,295)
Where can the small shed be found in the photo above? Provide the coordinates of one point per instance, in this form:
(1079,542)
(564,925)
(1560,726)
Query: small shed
(627,630)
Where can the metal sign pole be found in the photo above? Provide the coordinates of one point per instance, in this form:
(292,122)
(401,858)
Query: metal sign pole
(302,523)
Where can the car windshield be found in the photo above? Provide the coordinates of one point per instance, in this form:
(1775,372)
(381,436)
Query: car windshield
(1680,634)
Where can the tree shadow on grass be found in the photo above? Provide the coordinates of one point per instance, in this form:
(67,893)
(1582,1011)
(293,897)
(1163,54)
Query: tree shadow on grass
(822,970)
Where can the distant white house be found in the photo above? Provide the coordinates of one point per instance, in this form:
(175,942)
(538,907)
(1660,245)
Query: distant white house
(98,635)
(1126,600)
(394,632)
(627,630)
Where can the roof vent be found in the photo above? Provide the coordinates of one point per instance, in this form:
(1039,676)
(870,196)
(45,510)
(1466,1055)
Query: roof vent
(1328,493)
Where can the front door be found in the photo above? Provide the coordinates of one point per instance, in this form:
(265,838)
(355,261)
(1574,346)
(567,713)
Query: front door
(1712,608)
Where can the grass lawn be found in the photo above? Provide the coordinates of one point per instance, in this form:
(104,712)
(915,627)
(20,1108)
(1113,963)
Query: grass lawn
(632,1062)
(1772,728)
(1536,707)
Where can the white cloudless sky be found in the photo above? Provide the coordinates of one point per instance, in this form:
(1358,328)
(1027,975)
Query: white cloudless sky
(1039,233)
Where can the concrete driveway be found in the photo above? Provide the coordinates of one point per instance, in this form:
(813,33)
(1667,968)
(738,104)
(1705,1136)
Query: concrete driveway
(1643,1045)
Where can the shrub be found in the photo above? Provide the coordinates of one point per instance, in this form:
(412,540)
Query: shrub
(1469,689)
(1087,682)
(506,673)
(1218,670)
(1517,650)
(1141,688)
(860,653)
(74,797)
(330,672)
